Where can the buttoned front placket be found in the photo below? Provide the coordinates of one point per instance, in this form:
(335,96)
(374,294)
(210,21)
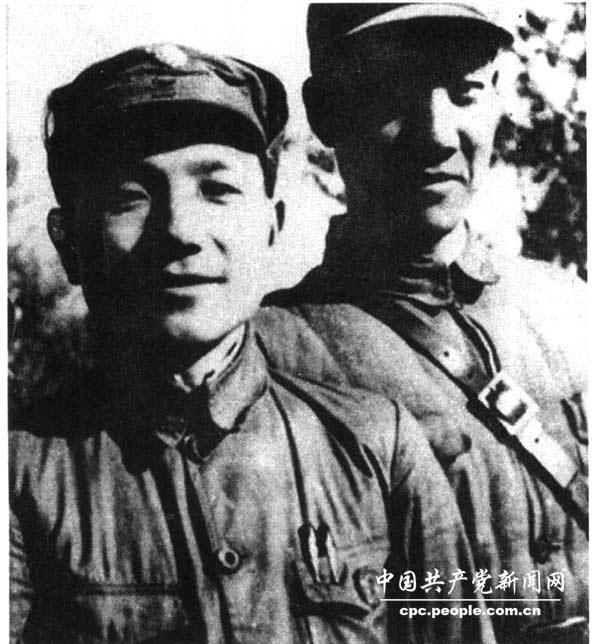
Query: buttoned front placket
(176,438)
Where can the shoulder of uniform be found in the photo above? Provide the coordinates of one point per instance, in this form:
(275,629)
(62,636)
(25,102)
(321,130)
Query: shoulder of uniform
(308,317)
(367,424)
(313,339)
(370,418)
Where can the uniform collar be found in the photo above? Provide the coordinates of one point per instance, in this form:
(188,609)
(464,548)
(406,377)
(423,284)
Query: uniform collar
(436,284)
(350,270)
(239,386)
(162,418)
(209,368)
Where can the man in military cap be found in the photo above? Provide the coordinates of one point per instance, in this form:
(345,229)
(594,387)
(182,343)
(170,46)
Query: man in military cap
(183,491)
(409,303)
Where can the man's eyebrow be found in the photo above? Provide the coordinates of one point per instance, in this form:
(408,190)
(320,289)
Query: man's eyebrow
(145,171)
(206,167)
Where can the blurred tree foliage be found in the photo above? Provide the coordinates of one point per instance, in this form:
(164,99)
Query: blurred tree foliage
(45,344)
(550,146)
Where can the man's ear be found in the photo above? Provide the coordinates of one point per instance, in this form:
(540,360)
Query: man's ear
(62,238)
(320,110)
(279,222)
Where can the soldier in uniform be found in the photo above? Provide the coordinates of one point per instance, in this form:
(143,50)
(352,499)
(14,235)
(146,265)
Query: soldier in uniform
(410,303)
(183,490)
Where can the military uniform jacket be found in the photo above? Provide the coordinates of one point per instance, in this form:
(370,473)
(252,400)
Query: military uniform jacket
(533,322)
(137,522)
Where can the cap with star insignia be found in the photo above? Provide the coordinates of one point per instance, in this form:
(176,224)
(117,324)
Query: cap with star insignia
(169,89)
(170,54)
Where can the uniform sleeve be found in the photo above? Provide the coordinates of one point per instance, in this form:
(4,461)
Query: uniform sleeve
(429,539)
(21,589)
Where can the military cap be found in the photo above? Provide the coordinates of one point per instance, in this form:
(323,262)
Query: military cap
(330,24)
(169,73)
(105,101)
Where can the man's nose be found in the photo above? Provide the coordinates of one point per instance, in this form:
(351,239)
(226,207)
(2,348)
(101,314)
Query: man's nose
(439,125)
(183,219)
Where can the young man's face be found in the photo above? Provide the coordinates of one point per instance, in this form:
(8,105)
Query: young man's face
(174,245)
(421,134)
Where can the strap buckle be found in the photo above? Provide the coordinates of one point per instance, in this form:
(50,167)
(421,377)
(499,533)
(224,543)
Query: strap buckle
(510,403)
(517,412)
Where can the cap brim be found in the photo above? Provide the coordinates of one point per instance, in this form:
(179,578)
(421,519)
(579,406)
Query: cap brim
(150,128)
(431,11)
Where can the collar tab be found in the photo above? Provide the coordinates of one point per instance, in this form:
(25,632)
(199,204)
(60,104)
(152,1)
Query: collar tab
(208,412)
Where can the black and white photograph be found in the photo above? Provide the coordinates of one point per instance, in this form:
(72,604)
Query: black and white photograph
(297,323)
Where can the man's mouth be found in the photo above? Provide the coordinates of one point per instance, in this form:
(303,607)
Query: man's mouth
(168,281)
(433,178)
(171,282)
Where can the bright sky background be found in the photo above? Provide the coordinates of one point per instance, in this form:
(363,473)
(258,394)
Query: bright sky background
(49,44)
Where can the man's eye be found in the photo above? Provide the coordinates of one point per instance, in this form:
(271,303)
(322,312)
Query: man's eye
(466,92)
(218,190)
(127,201)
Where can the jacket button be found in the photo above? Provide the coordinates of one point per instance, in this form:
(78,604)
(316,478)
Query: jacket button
(440,292)
(228,560)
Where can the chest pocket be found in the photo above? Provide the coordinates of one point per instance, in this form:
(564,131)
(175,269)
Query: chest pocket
(348,609)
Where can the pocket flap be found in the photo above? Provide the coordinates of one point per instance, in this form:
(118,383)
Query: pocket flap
(356,592)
